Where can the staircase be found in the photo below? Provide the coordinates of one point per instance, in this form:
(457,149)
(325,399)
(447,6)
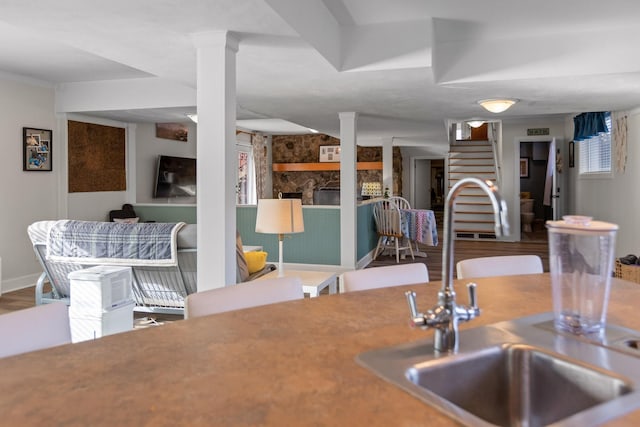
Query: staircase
(472,213)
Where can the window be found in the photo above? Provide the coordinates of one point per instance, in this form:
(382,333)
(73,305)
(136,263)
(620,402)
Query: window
(595,152)
(246,185)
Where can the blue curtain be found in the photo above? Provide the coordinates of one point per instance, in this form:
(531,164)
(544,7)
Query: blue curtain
(587,125)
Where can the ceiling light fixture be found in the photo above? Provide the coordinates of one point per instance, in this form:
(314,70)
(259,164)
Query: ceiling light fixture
(475,123)
(193,117)
(497,105)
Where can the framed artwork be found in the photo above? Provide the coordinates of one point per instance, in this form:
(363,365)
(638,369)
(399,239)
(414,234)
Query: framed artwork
(36,150)
(524,167)
(571,154)
(174,131)
(329,153)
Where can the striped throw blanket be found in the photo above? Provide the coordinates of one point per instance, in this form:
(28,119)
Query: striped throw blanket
(92,242)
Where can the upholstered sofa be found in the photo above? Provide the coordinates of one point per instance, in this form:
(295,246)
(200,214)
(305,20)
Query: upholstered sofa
(158,285)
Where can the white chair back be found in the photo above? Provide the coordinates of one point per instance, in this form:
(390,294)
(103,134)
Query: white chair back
(388,224)
(34,328)
(499,266)
(243,295)
(401,202)
(382,277)
(387,217)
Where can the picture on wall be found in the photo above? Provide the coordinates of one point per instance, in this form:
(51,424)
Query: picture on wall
(174,131)
(329,153)
(524,167)
(36,150)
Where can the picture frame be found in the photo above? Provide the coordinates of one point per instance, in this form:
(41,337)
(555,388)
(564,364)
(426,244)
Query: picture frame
(37,145)
(329,153)
(571,154)
(524,167)
(172,131)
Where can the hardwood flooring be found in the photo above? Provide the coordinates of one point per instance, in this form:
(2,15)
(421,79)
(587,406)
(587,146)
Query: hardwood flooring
(533,243)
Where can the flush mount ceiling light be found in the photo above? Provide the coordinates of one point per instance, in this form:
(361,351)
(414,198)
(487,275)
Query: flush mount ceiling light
(475,123)
(497,105)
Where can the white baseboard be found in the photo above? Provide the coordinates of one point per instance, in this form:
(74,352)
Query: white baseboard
(18,283)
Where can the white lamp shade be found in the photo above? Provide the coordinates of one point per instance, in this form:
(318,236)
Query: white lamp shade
(497,105)
(279,216)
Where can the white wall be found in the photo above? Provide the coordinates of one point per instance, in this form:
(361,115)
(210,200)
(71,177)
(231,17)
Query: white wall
(148,147)
(616,199)
(25,197)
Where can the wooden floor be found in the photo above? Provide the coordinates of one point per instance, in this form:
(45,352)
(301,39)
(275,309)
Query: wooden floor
(531,244)
(534,243)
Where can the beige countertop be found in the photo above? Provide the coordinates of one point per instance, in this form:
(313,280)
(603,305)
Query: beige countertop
(287,364)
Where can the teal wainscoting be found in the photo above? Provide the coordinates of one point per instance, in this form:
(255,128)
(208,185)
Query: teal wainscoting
(167,213)
(319,244)
(367,233)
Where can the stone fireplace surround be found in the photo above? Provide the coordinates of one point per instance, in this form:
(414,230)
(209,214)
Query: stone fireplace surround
(306,149)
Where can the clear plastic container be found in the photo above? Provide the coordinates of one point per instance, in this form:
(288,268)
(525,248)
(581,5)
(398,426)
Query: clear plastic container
(581,254)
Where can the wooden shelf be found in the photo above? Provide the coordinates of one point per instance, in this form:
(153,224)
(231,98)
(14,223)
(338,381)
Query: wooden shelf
(328,166)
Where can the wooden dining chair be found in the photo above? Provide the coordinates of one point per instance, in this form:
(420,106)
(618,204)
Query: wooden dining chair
(382,277)
(499,266)
(34,328)
(388,224)
(243,295)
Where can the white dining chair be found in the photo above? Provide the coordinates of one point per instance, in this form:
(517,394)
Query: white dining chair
(243,295)
(499,266)
(388,225)
(403,203)
(382,277)
(34,328)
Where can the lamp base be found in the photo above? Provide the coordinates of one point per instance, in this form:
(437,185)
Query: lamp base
(280,263)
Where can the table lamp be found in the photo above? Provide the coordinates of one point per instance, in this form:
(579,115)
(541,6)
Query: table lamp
(279,216)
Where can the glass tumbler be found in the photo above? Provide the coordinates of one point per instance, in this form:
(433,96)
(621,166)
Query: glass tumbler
(581,253)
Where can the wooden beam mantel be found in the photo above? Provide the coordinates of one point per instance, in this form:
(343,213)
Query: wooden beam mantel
(326,166)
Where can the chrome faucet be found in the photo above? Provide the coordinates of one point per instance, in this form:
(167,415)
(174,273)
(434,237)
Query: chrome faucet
(444,317)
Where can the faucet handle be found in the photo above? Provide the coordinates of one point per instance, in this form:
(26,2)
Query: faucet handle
(411,300)
(417,319)
(473,310)
(473,297)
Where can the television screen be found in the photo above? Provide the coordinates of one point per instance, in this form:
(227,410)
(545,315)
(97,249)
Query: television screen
(175,177)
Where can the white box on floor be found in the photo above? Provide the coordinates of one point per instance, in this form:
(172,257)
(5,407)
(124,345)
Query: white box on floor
(88,325)
(100,288)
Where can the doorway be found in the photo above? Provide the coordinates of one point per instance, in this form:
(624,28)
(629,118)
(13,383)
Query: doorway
(538,186)
(428,183)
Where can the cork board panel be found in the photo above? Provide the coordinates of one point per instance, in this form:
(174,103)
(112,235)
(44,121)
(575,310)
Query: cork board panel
(96,158)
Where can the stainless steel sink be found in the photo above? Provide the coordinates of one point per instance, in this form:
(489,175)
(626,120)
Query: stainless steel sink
(519,373)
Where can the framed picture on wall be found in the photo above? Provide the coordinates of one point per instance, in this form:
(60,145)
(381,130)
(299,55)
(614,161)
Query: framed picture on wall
(36,150)
(524,167)
(329,153)
(571,154)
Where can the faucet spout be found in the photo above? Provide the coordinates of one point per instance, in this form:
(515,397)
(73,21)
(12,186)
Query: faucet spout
(500,219)
(444,317)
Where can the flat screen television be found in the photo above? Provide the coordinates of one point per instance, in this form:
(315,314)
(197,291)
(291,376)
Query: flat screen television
(175,177)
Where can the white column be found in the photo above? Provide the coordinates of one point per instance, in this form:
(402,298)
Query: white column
(348,183)
(387,165)
(216,152)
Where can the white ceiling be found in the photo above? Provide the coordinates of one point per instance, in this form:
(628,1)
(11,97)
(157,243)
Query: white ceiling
(405,66)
